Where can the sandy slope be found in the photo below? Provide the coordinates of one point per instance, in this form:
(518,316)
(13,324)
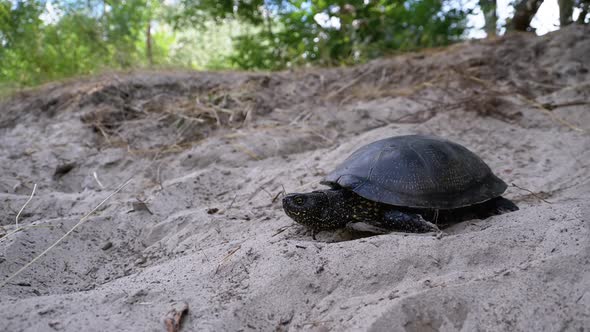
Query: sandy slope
(210,152)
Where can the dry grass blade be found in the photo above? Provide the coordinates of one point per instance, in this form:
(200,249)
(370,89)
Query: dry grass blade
(411,90)
(280,230)
(260,188)
(185,117)
(97,180)
(529,101)
(301,116)
(316,133)
(232,203)
(16,230)
(212,111)
(103,131)
(80,222)
(566,104)
(532,193)
(230,253)
(274,199)
(26,203)
(551,114)
(246,151)
(228,256)
(351,83)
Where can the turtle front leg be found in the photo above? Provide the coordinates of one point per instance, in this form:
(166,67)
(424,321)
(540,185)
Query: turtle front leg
(406,222)
(501,205)
(495,206)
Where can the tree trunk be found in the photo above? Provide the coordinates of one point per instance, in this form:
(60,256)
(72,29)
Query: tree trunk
(584,6)
(148,43)
(268,19)
(488,7)
(524,11)
(566,10)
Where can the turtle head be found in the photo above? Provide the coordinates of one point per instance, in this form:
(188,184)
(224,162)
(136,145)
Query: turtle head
(314,210)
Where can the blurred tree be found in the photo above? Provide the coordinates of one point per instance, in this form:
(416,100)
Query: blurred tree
(50,39)
(126,24)
(19,29)
(80,37)
(584,6)
(330,32)
(524,11)
(566,10)
(488,7)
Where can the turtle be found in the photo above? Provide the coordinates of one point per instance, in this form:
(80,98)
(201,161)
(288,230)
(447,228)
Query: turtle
(407,183)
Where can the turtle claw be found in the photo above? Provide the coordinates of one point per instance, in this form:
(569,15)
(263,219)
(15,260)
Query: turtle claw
(433,227)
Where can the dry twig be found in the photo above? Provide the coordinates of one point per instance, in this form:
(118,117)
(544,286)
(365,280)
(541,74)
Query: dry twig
(529,101)
(542,108)
(532,193)
(351,83)
(97,180)
(21,209)
(80,222)
(280,230)
(246,151)
(232,203)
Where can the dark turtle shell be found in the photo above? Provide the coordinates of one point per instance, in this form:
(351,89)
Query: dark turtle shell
(417,171)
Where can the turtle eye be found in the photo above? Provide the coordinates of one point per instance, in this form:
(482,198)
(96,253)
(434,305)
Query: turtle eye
(299,200)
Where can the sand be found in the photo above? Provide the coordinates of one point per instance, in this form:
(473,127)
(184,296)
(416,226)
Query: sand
(209,154)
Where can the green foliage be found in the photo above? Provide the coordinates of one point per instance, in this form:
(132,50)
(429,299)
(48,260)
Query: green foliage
(19,27)
(86,37)
(197,12)
(206,47)
(83,37)
(256,51)
(332,32)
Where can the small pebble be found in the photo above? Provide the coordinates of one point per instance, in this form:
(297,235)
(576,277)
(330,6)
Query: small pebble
(107,245)
(56,325)
(393,295)
(45,311)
